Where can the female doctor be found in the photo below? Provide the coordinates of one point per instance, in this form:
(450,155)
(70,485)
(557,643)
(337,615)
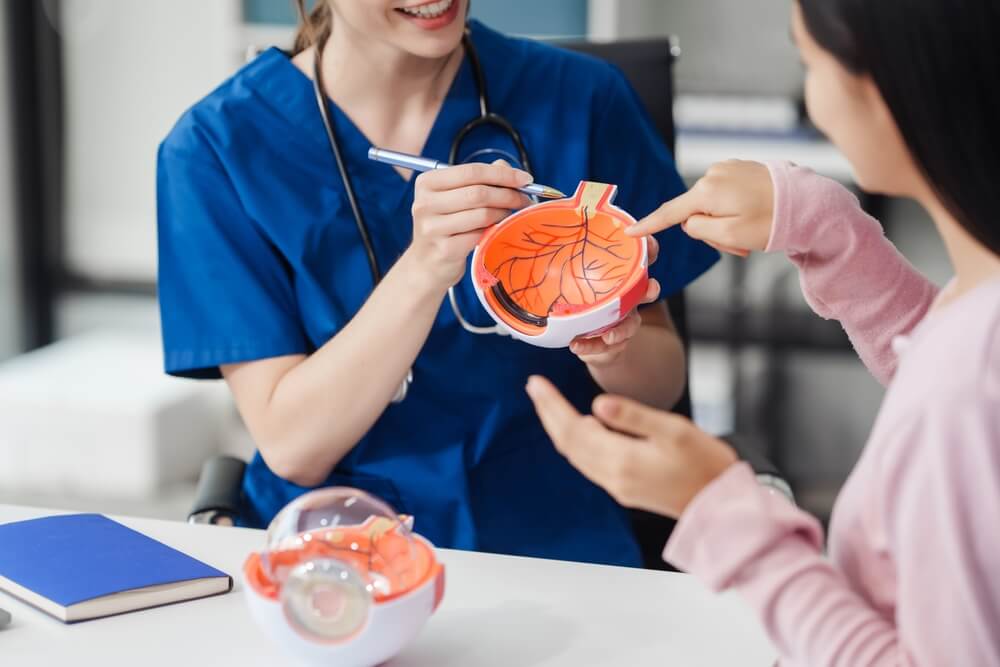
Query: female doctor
(317,282)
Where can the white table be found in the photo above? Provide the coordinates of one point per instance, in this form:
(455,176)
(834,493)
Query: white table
(497,610)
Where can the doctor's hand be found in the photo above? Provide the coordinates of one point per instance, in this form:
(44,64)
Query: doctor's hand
(606,348)
(731,208)
(453,207)
(643,458)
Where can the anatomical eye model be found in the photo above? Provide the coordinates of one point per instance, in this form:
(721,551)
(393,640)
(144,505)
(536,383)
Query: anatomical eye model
(562,269)
(343,581)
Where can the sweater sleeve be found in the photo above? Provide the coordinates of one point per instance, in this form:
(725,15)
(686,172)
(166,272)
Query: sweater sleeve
(939,504)
(848,270)
(737,535)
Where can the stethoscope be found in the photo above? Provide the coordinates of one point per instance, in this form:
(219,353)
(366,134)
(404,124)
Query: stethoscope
(486,117)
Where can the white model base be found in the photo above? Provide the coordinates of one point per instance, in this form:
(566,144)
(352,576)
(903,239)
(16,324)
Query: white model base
(392,626)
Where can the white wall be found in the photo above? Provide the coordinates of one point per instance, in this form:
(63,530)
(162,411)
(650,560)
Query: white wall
(131,68)
(729,46)
(734,46)
(10,310)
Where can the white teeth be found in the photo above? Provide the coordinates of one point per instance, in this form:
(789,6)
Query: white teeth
(429,11)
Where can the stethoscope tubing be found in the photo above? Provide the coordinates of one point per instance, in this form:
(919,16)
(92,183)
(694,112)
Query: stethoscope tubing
(486,117)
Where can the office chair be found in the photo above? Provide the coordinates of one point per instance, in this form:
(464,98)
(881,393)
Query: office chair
(648,66)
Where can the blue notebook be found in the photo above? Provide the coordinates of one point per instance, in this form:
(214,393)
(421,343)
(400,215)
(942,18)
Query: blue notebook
(82,566)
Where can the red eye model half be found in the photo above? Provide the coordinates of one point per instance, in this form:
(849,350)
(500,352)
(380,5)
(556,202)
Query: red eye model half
(561,269)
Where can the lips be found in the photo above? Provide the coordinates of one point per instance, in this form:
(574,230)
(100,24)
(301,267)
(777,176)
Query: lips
(429,10)
(431,16)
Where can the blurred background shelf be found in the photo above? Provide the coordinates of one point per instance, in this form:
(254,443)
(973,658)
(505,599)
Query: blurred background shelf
(774,329)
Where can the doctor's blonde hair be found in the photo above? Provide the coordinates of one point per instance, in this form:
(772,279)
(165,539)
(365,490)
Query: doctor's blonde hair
(314,26)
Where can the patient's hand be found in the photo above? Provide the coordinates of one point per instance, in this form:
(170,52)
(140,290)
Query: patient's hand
(731,208)
(644,458)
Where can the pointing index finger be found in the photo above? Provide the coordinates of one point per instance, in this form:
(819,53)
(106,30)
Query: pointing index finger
(670,214)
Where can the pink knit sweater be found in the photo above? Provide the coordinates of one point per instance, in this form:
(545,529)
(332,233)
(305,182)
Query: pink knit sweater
(913,571)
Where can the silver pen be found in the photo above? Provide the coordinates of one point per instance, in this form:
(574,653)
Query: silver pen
(417,163)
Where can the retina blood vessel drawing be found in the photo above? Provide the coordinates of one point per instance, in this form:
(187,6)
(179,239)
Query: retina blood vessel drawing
(562,269)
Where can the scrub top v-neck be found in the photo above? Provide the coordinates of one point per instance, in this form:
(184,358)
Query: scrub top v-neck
(260,257)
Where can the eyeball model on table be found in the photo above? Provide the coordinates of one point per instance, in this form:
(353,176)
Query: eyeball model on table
(343,581)
(562,269)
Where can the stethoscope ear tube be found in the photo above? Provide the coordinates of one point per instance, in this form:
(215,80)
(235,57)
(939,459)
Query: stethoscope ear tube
(352,199)
(486,117)
(491,119)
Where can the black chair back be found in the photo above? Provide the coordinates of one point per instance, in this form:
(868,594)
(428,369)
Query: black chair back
(648,66)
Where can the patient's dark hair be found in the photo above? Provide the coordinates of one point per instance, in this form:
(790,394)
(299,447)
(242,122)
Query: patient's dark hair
(937,65)
(314,26)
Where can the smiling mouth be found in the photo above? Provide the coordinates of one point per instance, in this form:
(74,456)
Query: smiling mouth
(430,10)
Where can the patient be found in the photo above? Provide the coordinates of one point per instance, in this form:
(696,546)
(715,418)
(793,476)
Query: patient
(908,91)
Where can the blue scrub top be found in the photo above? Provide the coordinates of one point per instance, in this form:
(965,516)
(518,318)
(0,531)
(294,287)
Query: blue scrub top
(259,256)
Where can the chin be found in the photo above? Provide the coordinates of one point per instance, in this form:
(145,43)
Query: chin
(866,182)
(435,45)
(882,180)
(432,48)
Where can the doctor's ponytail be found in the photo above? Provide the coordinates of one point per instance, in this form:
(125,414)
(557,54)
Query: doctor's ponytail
(314,27)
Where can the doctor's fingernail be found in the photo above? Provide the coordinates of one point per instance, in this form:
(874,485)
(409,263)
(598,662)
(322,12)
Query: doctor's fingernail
(523,177)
